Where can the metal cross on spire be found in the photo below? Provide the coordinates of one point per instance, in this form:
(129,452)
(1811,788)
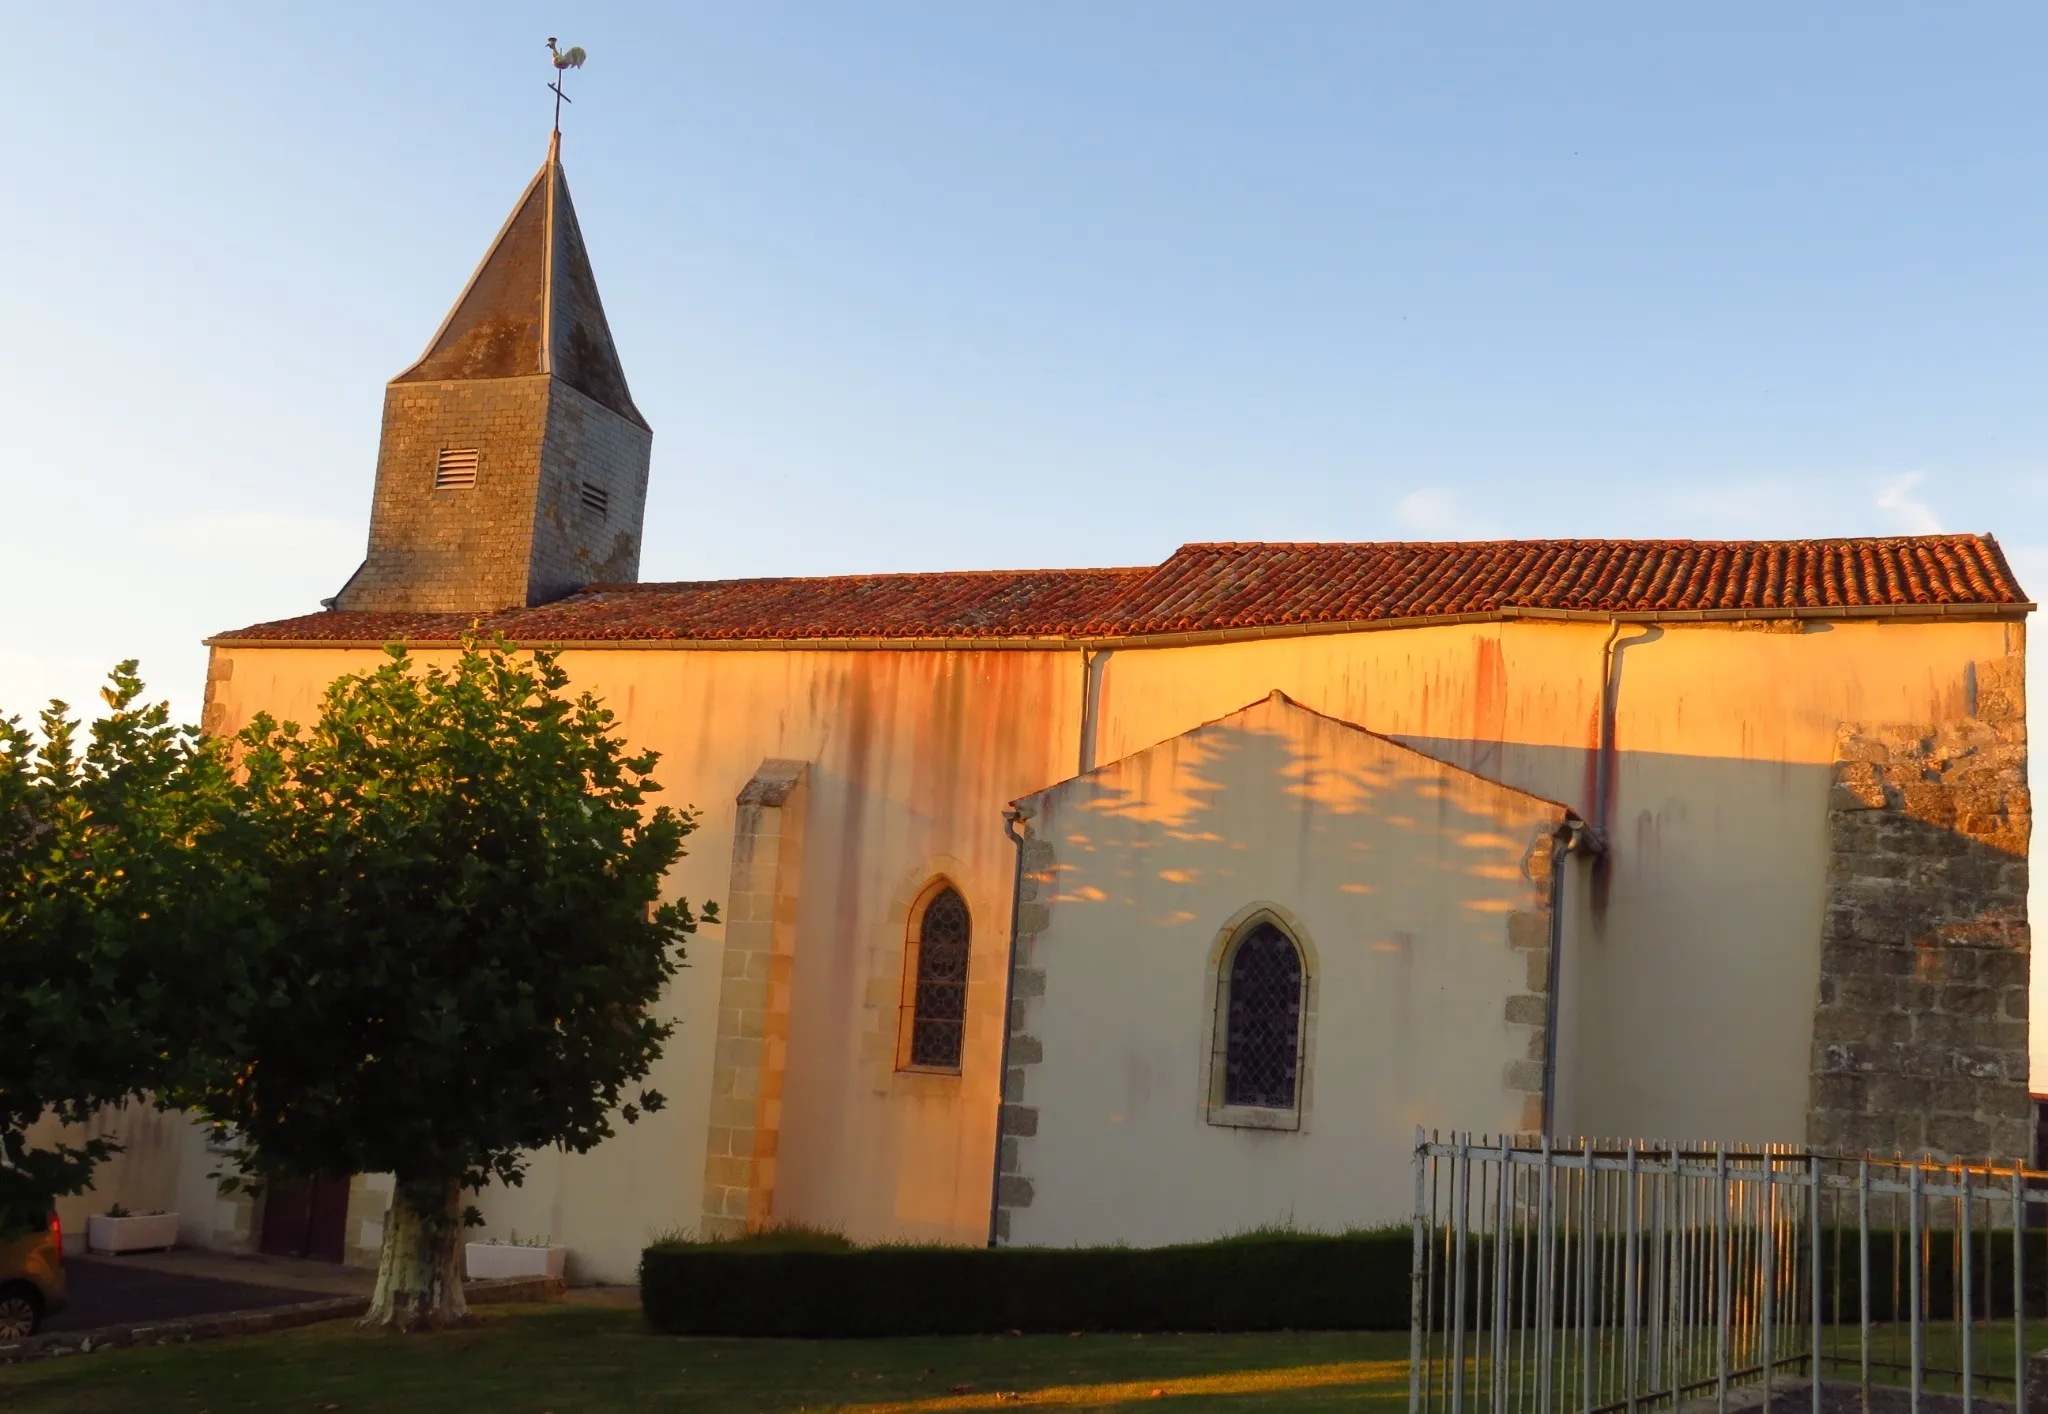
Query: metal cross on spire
(564,59)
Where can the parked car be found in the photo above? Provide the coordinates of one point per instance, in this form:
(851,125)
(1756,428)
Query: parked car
(31,1279)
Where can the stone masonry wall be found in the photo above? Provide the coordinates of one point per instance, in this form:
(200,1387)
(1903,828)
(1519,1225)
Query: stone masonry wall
(1027,988)
(467,549)
(572,544)
(753,1002)
(1920,1034)
(219,669)
(1529,933)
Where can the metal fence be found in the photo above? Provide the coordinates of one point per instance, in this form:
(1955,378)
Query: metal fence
(1592,1276)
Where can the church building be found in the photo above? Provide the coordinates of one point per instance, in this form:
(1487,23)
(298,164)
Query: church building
(1155,902)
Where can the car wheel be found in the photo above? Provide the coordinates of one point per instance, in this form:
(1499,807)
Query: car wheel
(20,1312)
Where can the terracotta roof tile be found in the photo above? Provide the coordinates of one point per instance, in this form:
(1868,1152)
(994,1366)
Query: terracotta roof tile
(1243,586)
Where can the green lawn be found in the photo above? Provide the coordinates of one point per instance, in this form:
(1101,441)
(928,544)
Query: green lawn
(526,1360)
(1991,1360)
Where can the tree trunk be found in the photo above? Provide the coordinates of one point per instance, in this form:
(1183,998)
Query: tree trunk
(419,1272)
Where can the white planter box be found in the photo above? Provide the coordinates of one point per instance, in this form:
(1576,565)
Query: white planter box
(144,1234)
(486,1260)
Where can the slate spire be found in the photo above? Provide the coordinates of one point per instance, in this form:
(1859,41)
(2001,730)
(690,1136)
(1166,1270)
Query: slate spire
(532,306)
(513,465)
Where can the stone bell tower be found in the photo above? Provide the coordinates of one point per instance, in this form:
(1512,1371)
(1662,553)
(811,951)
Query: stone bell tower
(513,467)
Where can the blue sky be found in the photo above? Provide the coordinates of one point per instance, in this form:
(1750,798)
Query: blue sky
(929,285)
(918,286)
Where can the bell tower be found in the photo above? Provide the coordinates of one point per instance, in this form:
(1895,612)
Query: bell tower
(513,465)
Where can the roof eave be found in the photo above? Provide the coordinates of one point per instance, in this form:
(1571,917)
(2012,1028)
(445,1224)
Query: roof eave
(1196,637)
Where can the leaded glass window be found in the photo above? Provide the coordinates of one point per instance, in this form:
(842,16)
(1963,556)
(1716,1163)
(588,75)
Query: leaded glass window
(1262,1049)
(939,1008)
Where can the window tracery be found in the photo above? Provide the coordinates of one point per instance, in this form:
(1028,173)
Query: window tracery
(1262,1019)
(939,1000)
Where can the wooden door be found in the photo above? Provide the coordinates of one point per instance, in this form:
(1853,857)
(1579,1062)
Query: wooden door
(306,1219)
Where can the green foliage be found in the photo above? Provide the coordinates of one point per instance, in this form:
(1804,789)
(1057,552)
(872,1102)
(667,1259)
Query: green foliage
(111,980)
(459,937)
(1286,1281)
(1287,1232)
(513,1239)
(783,1237)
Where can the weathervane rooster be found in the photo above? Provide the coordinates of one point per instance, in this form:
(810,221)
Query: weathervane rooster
(570,58)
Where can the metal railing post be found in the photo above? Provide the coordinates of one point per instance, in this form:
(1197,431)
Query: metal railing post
(1586,1277)
(1767,1258)
(2019,1291)
(1913,1277)
(1962,1266)
(1546,1277)
(1629,1361)
(1460,1214)
(1814,1248)
(1416,1310)
(1722,1314)
(1501,1250)
(1863,1274)
(1660,1314)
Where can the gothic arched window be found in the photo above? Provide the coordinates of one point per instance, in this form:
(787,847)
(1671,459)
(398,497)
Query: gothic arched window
(1262,1021)
(938,1002)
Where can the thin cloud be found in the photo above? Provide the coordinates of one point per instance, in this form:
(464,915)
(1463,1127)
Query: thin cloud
(1911,514)
(1758,507)
(1435,512)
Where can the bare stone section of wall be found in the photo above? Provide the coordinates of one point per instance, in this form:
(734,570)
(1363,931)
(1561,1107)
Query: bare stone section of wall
(560,494)
(1529,933)
(214,714)
(753,1001)
(1019,1120)
(1920,1034)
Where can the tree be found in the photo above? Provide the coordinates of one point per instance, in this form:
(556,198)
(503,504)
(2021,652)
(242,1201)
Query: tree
(110,982)
(458,945)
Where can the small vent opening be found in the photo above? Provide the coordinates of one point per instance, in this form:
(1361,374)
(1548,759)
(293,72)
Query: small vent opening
(597,500)
(455,467)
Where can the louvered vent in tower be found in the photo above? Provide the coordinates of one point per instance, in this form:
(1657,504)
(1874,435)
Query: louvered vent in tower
(455,467)
(596,500)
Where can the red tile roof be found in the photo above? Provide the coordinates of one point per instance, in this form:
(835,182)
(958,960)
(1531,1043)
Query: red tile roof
(1249,587)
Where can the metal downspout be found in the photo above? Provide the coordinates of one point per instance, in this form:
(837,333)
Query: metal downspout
(1604,749)
(1590,839)
(1610,709)
(1092,660)
(1012,817)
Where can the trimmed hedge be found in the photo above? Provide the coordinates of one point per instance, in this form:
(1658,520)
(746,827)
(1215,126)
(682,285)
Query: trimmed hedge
(1356,1281)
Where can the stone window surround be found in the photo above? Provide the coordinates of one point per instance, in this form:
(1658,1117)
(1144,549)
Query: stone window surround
(882,995)
(906,1002)
(1216,1023)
